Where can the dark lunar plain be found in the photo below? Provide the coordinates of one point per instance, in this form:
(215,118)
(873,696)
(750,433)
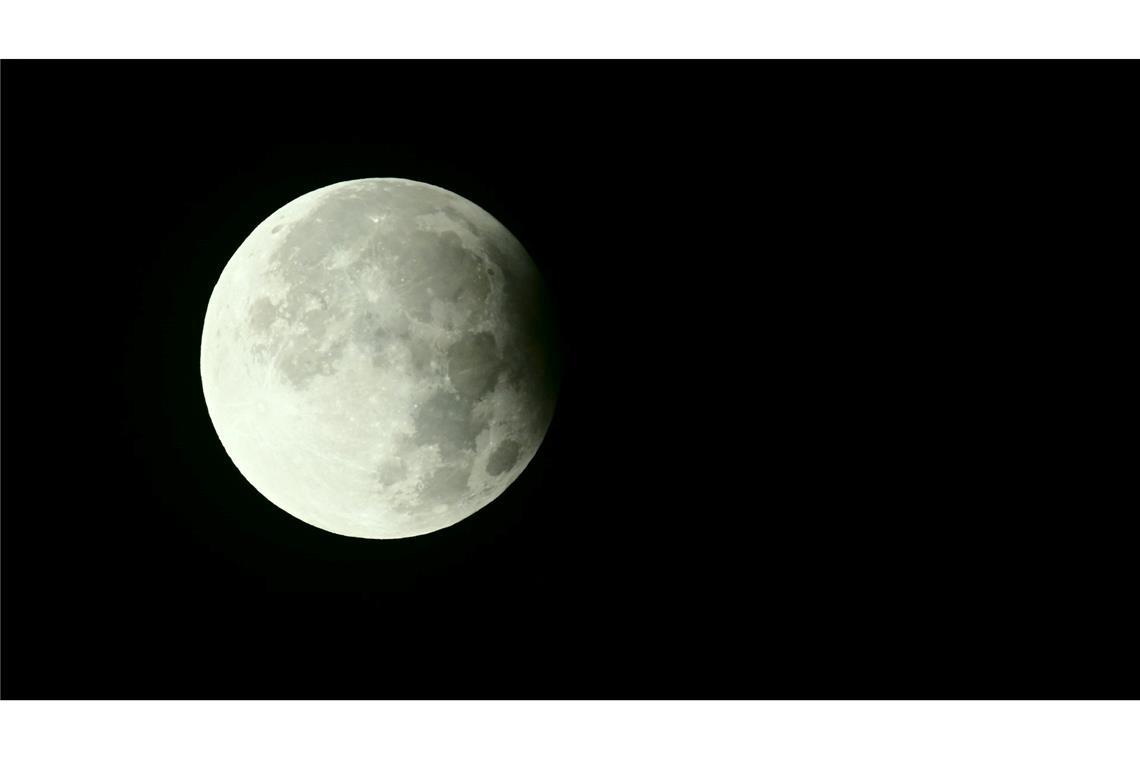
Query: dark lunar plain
(793,453)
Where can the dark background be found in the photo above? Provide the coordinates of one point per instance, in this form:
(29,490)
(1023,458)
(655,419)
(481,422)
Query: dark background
(788,457)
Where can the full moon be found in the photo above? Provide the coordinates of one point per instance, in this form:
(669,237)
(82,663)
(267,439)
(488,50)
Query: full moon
(376,358)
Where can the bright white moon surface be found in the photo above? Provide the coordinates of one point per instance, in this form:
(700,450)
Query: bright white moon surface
(376,358)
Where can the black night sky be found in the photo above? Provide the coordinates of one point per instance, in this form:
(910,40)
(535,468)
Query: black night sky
(741,494)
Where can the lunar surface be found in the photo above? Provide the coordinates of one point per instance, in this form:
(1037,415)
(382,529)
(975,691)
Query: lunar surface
(376,358)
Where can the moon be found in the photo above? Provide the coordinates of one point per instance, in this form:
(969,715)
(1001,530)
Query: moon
(377,358)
